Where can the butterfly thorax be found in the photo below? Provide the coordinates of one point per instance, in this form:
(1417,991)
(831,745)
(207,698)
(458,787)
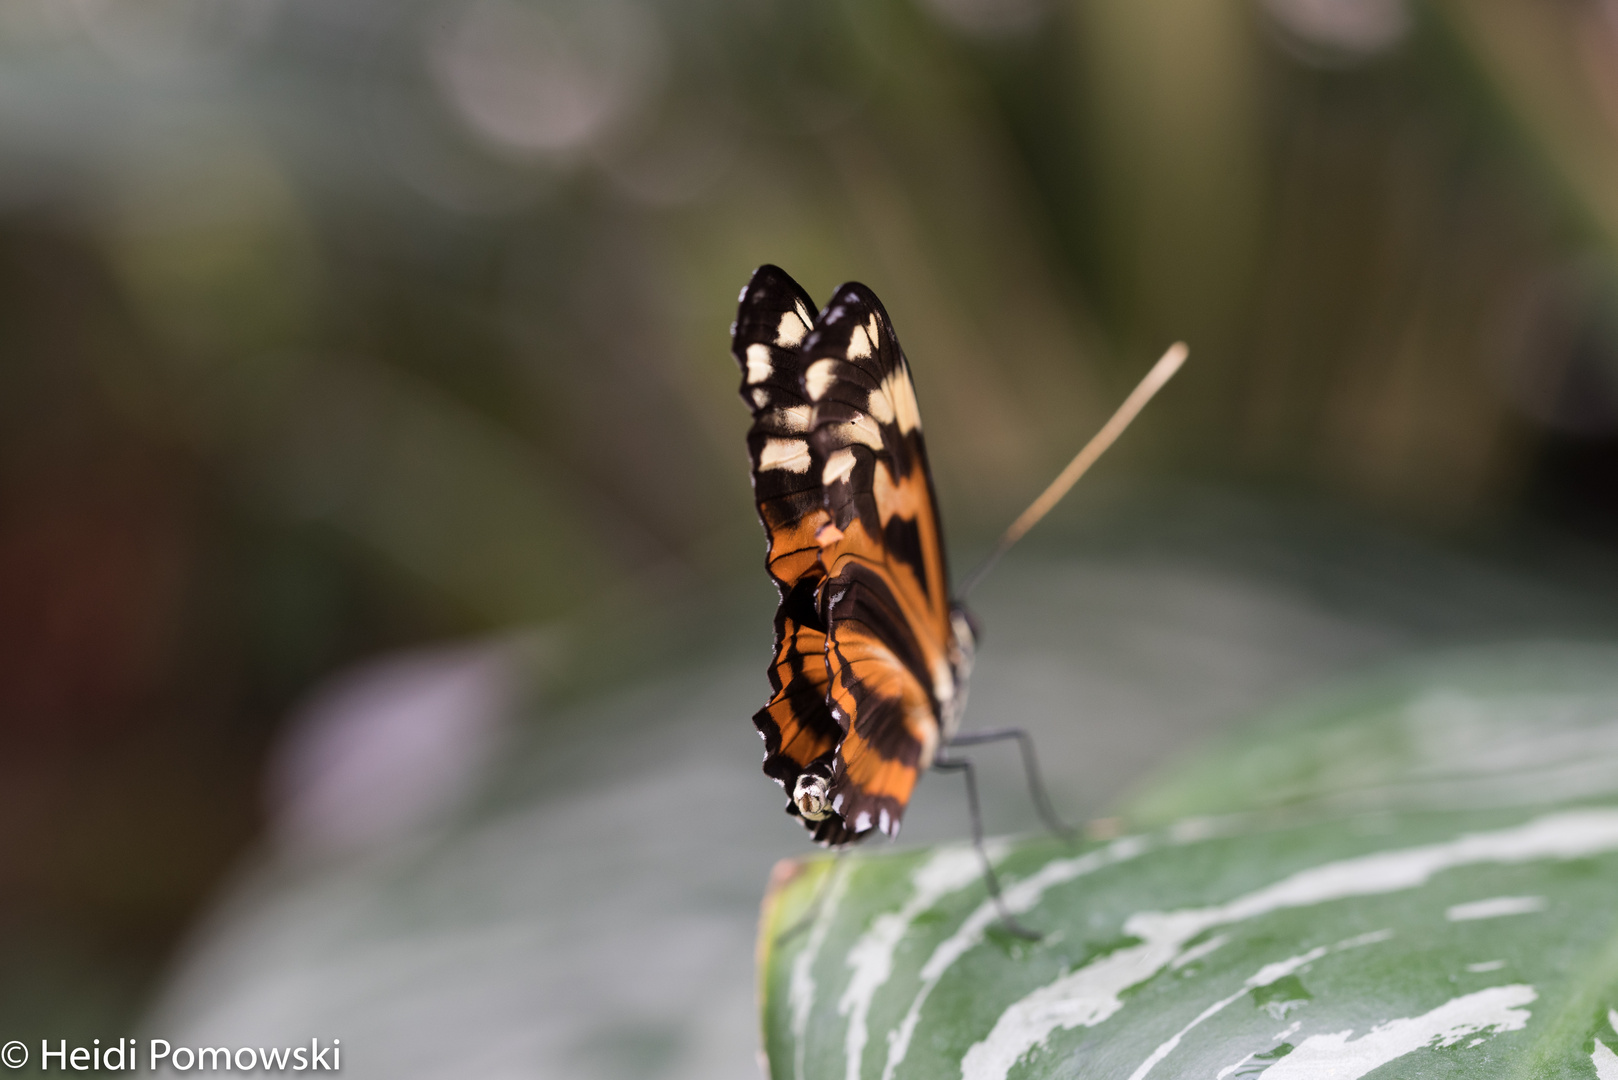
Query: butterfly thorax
(962,653)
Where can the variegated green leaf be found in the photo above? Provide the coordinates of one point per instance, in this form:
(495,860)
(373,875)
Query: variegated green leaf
(1417,876)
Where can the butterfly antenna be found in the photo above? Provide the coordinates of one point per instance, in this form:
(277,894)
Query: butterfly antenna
(1161,373)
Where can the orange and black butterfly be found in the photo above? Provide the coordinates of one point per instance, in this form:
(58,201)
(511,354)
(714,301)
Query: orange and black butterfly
(871,656)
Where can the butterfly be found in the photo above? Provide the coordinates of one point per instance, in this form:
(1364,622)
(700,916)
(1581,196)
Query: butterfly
(872,657)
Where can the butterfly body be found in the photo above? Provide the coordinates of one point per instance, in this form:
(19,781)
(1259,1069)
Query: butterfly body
(872,658)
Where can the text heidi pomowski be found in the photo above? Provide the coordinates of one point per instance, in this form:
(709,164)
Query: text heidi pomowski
(124,1056)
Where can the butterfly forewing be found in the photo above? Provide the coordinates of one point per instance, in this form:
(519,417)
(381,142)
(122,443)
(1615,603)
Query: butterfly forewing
(773,319)
(891,651)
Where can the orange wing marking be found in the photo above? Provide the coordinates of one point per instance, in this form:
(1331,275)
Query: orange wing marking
(910,500)
(875,774)
(794,550)
(870,663)
(799,742)
(857,545)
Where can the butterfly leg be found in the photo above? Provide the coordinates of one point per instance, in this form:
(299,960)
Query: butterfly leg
(961,765)
(1030,764)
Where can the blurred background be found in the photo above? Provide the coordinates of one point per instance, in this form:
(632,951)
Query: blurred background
(371,464)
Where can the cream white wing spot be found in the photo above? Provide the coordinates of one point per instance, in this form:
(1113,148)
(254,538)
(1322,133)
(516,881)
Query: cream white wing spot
(818,377)
(759,366)
(791,330)
(793,420)
(838,466)
(789,454)
(862,429)
(901,396)
(859,344)
(804,313)
(880,405)
(761,399)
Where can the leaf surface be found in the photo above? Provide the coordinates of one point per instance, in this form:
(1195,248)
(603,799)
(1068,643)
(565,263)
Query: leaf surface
(1412,876)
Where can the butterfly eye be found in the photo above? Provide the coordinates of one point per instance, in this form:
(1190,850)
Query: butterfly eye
(809,794)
